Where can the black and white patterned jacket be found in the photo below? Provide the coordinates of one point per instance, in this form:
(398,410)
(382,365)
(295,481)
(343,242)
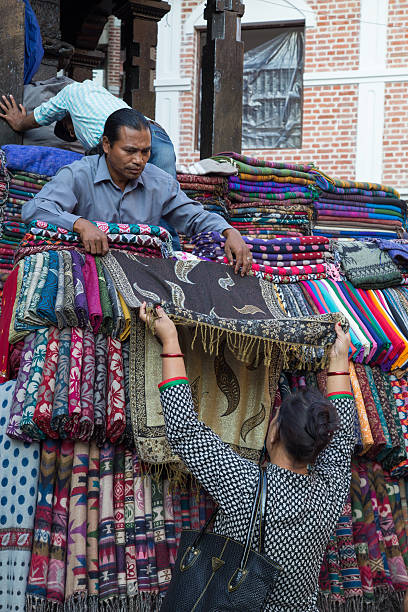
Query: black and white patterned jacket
(302,510)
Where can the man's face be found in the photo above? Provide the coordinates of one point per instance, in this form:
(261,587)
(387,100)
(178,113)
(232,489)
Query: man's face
(128,155)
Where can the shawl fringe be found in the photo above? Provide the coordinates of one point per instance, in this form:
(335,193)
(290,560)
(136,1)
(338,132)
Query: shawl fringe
(385,599)
(39,604)
(253,349)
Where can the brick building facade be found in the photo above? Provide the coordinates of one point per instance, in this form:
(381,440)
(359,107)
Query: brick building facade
(354,119)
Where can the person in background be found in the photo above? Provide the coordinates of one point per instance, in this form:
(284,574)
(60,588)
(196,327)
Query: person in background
(119,186)
(81,111)
(309,442)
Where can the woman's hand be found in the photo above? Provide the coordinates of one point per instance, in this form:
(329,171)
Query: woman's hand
(163,328)
(339,351)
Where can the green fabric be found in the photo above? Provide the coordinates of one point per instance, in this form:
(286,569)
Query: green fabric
(262,170)
(366,266)
(107,312)
(172,383)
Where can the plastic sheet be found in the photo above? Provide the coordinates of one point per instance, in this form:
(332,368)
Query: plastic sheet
(273,93)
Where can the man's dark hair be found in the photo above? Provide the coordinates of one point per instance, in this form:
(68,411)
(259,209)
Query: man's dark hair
(127,117)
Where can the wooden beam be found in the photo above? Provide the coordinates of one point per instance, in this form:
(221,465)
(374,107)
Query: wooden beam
(222,78)
(11,59)
(139,41)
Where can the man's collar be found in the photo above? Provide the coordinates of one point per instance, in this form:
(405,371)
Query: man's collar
(102,174)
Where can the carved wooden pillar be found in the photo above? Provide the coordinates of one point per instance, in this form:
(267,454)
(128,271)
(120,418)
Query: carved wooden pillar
(11,60)
(139,41)
(222,78)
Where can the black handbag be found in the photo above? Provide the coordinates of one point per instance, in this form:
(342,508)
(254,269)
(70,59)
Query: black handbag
(214,573)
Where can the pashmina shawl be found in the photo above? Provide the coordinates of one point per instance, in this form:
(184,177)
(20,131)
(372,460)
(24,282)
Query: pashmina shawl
(92,561)
(76,585)
(43,408)
(188,291)
(37,581)
(108,580)
(99,398)
(34,379)
(18,491)
(58,543)
(119,516)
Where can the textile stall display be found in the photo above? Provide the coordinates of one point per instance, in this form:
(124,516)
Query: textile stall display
(269,199)
(355,209)
(82,432)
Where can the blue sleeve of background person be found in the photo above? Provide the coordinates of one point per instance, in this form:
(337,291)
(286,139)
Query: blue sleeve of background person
(164,157)
(33,48)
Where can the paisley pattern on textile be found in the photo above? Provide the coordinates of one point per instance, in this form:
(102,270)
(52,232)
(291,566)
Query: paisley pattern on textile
(248,336)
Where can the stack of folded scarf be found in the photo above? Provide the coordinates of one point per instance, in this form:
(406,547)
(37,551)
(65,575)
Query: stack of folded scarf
(147,240)
(270,199)
(29,169)
(398,251)
(355,209)
(210,191)
(283,260)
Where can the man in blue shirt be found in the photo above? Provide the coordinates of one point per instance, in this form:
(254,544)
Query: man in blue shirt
(119,187)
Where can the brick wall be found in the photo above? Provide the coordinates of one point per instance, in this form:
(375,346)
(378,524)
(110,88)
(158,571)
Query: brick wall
(395,142)
(332,45)
(113,59)
(330,112)
(397,34)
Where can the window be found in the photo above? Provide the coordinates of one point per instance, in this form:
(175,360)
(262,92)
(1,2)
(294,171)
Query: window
(273,86)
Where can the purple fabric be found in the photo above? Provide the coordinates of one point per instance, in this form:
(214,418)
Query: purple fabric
(80,301)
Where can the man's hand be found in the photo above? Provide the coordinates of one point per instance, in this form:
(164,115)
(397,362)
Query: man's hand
(94,240)
(236,247)
(16,115)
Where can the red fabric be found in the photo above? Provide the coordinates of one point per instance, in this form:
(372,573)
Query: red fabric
(7,304)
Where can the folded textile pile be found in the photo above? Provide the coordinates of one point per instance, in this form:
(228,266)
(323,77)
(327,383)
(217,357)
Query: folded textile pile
(378,319)
(28,168)
(270,199)
(353,209)
(147,240)
(279,260)
(16,188)
(40,160)
(366,265)
(398,251)
(210,191)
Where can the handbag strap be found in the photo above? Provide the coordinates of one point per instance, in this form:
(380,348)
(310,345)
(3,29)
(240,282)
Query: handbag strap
(258,509)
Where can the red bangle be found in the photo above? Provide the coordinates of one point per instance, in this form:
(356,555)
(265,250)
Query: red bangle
(338,373)
(171,354)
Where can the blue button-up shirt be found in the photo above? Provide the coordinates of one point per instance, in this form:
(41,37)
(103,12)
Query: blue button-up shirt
(86,189)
